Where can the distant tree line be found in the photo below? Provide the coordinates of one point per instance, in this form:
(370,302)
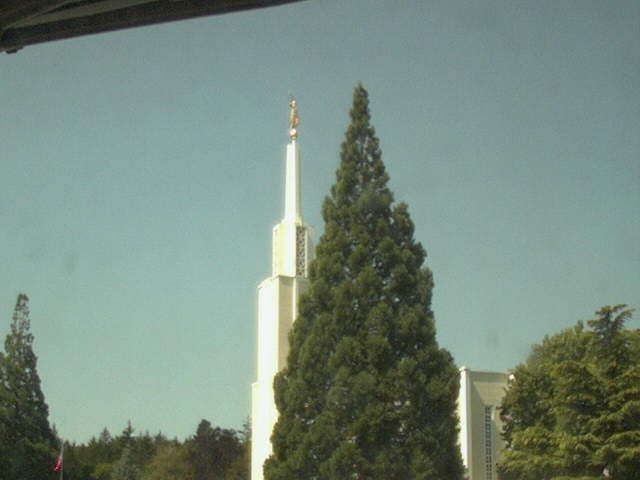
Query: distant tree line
(212,453)
(29,445)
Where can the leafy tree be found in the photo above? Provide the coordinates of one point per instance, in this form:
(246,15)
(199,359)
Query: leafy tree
(212,451)
(240,469)
(105,437)
(80,460)
(367,393)
(97,459)
(169,463)
(75,468)
(143,448)
(125,468)
(126,437)
(99,456)
(572,411)
(27,442)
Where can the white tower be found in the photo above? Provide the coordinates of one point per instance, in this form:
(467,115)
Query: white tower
(278,303)
(479,400)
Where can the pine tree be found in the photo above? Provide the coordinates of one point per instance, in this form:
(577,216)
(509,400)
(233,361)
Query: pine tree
(27,443)
(367,393)
(125,468)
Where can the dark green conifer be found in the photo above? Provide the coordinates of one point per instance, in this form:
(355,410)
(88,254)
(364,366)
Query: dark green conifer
(212,451)
(27,443)
(367,393)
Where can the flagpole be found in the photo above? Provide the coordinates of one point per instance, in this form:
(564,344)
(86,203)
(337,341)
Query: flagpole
(62,456)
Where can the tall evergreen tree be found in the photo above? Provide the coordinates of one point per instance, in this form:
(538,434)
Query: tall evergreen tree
(367,393)
(27,443)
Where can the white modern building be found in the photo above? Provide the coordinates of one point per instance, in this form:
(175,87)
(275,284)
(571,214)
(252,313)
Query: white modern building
(278,295)
(481,443)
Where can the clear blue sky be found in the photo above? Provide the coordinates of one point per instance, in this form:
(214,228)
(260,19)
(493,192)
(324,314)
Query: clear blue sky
(141,172)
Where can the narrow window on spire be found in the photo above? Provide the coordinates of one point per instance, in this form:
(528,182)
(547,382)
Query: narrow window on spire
(301,260)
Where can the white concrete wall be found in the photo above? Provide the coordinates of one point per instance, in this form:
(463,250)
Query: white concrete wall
(477,391)
(464,416)
(277,310)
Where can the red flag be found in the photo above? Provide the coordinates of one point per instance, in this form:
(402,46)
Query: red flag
(58,466)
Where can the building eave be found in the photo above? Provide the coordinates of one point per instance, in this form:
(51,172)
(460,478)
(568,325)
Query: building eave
(28,22)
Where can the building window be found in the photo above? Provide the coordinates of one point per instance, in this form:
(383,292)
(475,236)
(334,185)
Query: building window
(488,447)
(300,252)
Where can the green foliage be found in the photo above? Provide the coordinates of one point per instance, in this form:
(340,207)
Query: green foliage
(93,461)
(573,409)
(28,445)
(240,468)
(27,442)
(125,468)
(212,451)
(367,392)
(169,463)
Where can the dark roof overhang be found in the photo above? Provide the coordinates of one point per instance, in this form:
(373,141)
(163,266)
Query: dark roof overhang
(26,22)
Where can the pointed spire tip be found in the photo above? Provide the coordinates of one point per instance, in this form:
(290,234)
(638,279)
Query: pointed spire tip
(294,119)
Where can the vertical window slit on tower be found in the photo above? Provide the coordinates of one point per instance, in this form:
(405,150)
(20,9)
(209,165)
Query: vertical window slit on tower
(488,444)
(300,252)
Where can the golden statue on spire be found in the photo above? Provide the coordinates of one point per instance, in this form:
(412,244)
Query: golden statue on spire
(293,119)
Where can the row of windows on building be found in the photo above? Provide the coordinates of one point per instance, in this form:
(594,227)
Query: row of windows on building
(488,447)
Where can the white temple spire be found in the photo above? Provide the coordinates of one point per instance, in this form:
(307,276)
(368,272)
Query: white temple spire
(294,119)
(292,179)
(278,303)
(292,185)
